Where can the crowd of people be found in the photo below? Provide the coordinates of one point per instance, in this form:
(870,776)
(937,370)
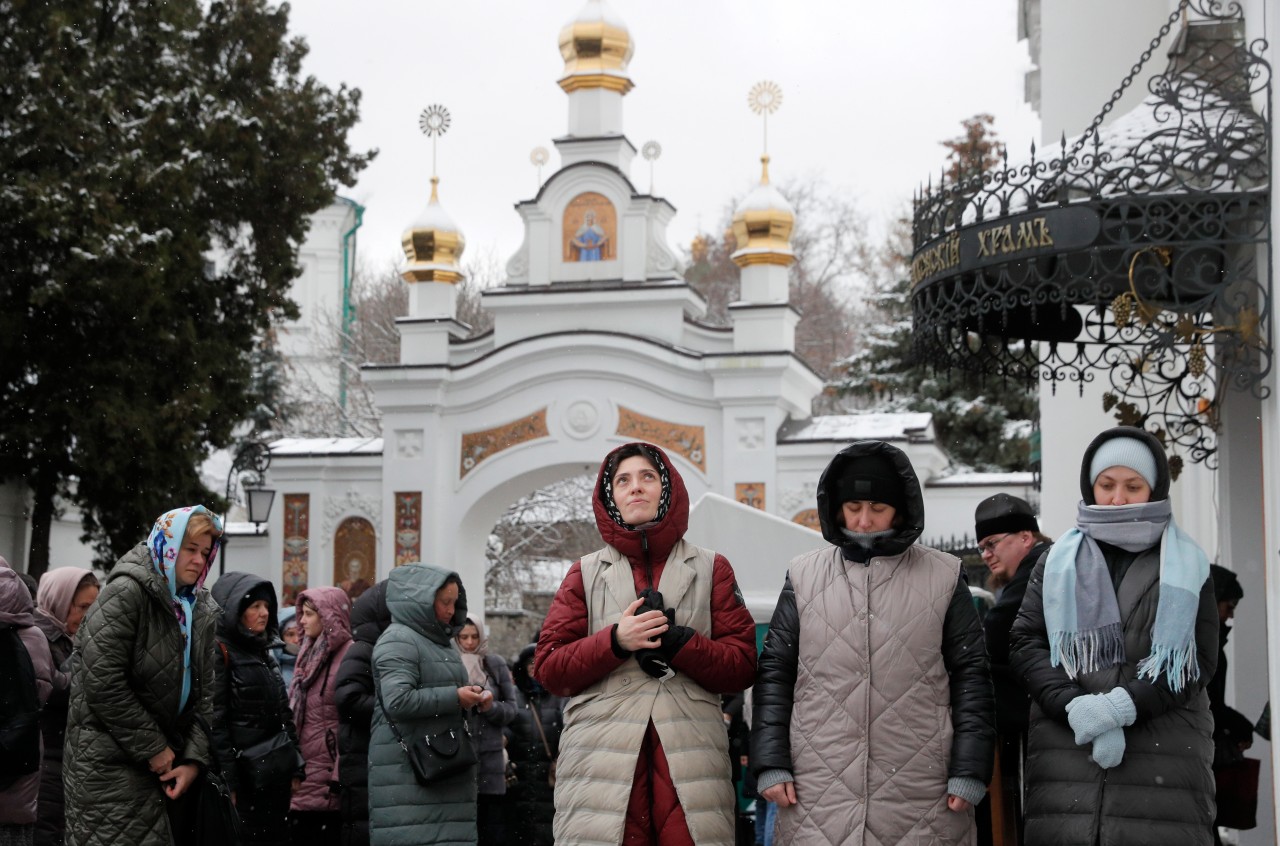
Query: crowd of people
(1084,707)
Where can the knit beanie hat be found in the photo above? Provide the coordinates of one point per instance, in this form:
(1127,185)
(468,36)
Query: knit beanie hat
(1124,452)
(1226,586)
(872,478)
(1003,513)
(261,591)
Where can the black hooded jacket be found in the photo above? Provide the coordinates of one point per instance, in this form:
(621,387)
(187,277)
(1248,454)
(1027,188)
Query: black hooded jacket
(250,704)
(354,694)
(962,646)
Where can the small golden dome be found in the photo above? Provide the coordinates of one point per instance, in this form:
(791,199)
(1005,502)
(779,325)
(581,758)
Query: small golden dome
(762,225)
(433,244)
(596,47)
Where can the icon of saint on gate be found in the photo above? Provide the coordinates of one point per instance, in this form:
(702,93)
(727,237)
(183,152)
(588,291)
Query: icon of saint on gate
(590,229)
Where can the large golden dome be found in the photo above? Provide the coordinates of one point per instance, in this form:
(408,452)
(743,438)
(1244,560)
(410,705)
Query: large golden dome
(762,225)
(433,244)
(596,47)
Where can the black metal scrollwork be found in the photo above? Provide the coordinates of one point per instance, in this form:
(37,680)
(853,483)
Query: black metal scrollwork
(1135,251)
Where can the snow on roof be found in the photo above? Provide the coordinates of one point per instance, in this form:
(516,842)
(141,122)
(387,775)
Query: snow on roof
(325,446)
(973,480)
(765,197)
(878,426)
(434,217)
(598,10)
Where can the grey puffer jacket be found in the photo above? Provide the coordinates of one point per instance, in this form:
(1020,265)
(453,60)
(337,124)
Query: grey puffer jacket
(417,671)
(126,685)
(873,689)
(1162,791)
(490,724)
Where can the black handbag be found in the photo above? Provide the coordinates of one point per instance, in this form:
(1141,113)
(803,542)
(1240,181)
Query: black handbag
(268,765)
(435,757)
(205,814)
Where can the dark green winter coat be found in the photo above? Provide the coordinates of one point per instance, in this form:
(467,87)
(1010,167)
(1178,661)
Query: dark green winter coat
(125,689)
(418,670)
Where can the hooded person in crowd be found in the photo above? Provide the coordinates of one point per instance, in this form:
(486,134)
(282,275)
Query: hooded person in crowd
(1010,543)
(370,617)
(63,598)
(1232,731)
(534,745)
(141,681)
(290,643)
(251,710)
(873,717)
(422,690)
(19,798)
(489,672)
(645,635)
(325,615)
(1116,640)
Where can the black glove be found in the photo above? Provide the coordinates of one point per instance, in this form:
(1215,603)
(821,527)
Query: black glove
(653,661)
(675,637)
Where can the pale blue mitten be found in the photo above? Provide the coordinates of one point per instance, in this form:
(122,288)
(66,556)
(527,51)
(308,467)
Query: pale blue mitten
(1108,748)
(1092,714)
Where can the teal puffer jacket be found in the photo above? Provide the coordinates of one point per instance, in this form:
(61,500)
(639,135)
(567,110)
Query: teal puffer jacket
(126,684)
(418,670)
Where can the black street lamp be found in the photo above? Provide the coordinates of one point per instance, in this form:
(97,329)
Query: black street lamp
(252,458)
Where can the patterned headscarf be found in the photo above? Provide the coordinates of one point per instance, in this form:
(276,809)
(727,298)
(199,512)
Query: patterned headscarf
(164,543)
(664,499)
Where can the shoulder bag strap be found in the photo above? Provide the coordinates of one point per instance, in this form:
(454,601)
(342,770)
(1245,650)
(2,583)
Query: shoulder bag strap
(537,721)
(377,689)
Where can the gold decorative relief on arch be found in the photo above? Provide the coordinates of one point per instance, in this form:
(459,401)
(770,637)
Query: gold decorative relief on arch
(689,441)
(478,446)
(809,518)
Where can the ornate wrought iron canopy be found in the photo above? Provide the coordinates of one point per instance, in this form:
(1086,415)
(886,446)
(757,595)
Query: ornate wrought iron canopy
(1141,250)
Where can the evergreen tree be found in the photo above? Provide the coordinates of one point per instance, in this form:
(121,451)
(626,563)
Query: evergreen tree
(139,137)
(983,424)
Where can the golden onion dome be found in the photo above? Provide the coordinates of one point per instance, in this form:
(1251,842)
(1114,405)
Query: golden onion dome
(596,46)
(433,244)
(762,225)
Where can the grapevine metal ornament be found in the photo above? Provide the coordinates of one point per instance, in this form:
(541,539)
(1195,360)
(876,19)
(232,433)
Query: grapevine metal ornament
(539,157)
(1134,250)
(434,122)
(764,98)
(651,151)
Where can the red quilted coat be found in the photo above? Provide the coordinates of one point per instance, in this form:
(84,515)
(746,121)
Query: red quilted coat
(568,661)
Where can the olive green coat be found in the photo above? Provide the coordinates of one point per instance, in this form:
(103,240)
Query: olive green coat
(417,670)
(125,688)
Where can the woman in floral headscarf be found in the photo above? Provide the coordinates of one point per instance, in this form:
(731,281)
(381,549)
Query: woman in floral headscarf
(141,679)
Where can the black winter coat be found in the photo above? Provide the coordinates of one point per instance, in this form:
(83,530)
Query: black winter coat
(354,694)
(250,704)
(1013,704)
(52,807)
(1162,793)
(531,800)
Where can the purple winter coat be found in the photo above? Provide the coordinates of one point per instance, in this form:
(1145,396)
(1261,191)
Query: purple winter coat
(18,801)
(313,687)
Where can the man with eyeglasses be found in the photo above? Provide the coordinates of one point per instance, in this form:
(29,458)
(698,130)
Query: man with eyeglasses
(1010,543)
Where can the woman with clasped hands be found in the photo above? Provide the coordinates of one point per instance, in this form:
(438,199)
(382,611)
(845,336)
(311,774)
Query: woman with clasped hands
(141,679)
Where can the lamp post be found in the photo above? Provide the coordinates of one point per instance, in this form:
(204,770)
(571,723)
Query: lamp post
(251,457)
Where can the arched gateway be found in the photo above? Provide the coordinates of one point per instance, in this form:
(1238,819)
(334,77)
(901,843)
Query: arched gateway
(597,341)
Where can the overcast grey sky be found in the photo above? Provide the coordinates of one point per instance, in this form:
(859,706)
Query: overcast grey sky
(869,89)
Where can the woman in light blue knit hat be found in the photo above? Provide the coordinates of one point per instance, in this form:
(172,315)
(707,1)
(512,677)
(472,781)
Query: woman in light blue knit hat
(1116,641)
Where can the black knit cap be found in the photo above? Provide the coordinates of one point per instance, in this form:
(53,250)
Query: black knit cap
(872,478)
(263,591)
(1226,586)
(1003,513)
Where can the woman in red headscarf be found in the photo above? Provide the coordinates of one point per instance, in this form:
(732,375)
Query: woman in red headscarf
(645,635)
